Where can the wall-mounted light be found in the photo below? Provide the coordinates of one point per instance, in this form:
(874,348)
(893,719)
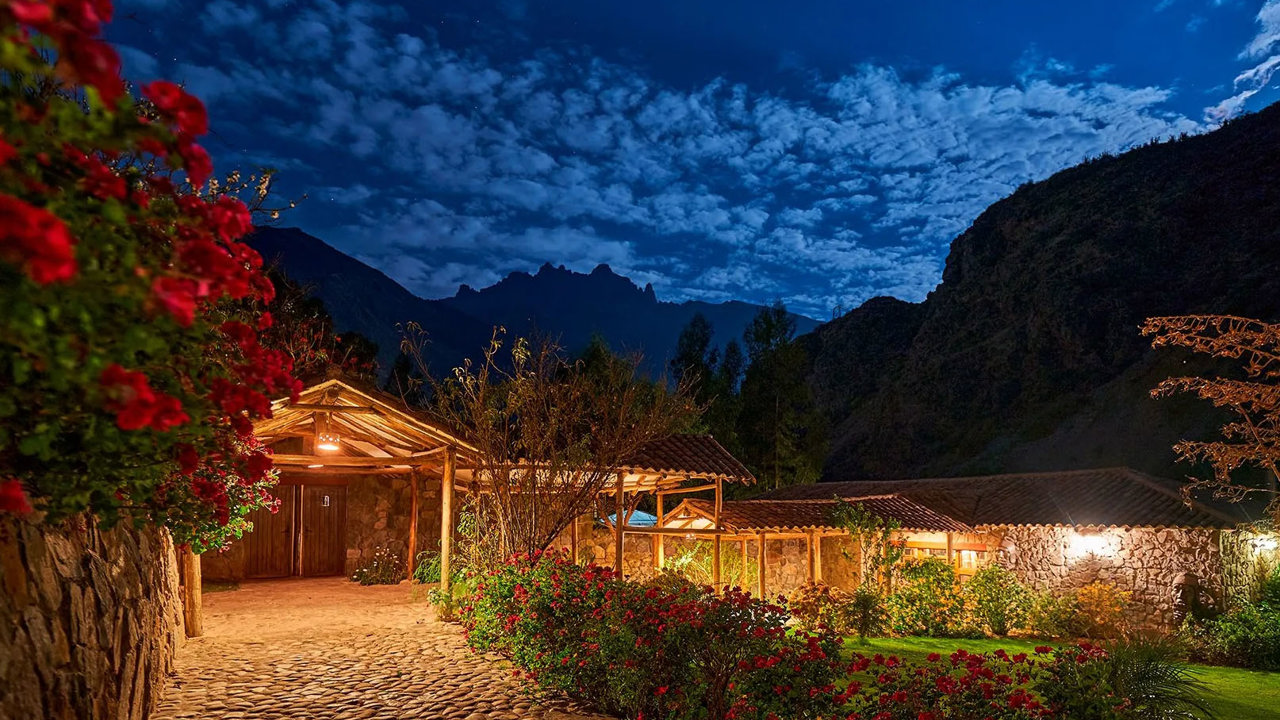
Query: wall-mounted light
(1264,543)
(328,443)
(317,465)
(1082,545)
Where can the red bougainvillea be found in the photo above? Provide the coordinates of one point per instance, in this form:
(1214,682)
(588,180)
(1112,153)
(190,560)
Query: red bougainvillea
(131,370)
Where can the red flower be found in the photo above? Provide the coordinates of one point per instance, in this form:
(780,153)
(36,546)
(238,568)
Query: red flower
(178,297)
(230,218)
(136,404)
(37,240)
(13,499)
(195,160)
(94,63)
(176,104)
(7,152)
(188,459)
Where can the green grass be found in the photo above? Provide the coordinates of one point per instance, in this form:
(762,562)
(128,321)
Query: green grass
(1235,694)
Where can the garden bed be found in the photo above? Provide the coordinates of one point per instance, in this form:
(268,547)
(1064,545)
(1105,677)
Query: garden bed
(1234,693)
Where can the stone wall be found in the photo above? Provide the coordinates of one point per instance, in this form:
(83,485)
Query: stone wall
(1143,561)
(378,515)
(89,620)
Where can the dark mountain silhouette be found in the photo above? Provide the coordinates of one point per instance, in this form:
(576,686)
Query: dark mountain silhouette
(560,303)
(1027,356)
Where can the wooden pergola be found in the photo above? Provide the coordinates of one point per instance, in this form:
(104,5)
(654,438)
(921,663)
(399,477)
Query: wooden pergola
(742,521)
(339,428)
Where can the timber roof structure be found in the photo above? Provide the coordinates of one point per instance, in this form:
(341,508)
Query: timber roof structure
(754,516)
(1107,497)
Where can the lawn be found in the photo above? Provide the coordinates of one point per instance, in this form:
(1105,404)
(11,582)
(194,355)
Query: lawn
(1234,693)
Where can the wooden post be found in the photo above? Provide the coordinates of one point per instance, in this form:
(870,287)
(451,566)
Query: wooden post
(951,553)
(760,566)
(573,540)
(446,517)
(413,519)
(659,542)
(715,563)
(810,574)
(817,556)
(192,599)
(742,574)
(618,520)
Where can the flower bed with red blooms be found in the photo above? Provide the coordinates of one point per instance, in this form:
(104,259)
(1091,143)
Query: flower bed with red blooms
(130,367)
(670,649)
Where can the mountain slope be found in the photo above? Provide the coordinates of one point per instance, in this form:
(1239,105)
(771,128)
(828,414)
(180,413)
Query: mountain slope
(563,304)
(1027,356)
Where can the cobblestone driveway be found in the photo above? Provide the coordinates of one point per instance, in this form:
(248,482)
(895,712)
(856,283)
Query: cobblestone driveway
(330,649)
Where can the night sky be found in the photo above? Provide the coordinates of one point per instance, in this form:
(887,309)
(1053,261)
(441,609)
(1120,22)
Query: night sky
(816,152)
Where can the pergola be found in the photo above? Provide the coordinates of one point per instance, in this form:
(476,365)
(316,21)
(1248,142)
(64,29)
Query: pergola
(811,520)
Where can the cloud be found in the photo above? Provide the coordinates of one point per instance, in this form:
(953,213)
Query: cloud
(456,164)
(1264,51)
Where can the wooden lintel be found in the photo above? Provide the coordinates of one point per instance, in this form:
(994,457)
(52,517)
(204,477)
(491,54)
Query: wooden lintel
(351,460)
(319,407)
(695,488)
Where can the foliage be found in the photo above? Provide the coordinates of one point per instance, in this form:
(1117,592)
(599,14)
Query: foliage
(714,377)
(669,650)
(303,330)
(867,611)
(818,607)
(781,433)
(1247,636)
(551,433)
(872,535)
(130,365)
(383,567)
(426,568)
(1269,588)
(997,600)
(1100,610)
(1155,682)
(1252,438)
(1053,615)
(926,599)
(1079,686)
(693,562)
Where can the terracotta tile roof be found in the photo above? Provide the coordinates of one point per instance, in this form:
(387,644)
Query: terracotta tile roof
(777,515)
(1108,497)
(695,455)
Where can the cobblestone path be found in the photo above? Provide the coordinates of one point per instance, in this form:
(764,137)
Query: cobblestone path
(327,649)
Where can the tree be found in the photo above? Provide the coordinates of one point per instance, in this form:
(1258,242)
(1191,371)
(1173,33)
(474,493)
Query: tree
(694,358)
(551,433)
(782,435)
(131,369)
(303,330)
(1252,438)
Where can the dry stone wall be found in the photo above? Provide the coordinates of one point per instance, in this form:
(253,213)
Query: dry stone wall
(89,620)
(378,516)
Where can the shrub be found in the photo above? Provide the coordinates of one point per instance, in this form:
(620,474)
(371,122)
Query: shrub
(820,607)
(1269,588)
(1053,615)
(1100,610)
(926,600)
(426,569)
(130,364)
(996,600)
(1247,636)
(1154,681)
(673,650)
(383,567)
(867,613)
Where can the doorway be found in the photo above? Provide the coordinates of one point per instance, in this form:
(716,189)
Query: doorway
(305,537)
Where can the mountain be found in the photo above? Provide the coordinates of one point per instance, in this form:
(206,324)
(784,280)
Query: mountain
(1027,355)
(563,304)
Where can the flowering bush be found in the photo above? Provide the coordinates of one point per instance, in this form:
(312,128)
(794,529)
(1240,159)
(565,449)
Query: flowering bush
(1053,615)
(820,607)
(382,568)
(1100,610)
(867,612)
(130,367)
(926,599)
(996,600)
(670,651)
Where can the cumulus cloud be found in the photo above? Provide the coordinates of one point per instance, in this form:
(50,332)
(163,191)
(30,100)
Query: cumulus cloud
(1264,52)
(455,165)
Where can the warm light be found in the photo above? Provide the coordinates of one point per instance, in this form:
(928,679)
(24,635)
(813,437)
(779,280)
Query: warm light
(1084,545)
(1263,543)
(328,442)
(315,466)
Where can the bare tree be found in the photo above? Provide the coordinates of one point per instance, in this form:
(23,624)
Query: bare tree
(1252,438)
(552,433)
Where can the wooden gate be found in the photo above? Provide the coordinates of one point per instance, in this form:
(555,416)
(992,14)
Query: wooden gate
(324,529)
(269,546)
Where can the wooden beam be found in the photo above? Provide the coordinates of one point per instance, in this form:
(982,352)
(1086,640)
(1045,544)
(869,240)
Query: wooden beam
(810,573)
(446,519)
(619,501)
(951,551)
(192,597)
(659,542)
(760,565)
(323,407)
(573,540)
(817,556)
(352,460)
(413,521)
(742,574)
(696,488)
(715,562)
(298,515)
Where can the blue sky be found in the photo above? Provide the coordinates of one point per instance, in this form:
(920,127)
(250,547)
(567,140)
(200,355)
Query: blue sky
(818,152)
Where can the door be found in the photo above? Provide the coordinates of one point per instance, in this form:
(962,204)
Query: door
(324,529)
(269,546)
